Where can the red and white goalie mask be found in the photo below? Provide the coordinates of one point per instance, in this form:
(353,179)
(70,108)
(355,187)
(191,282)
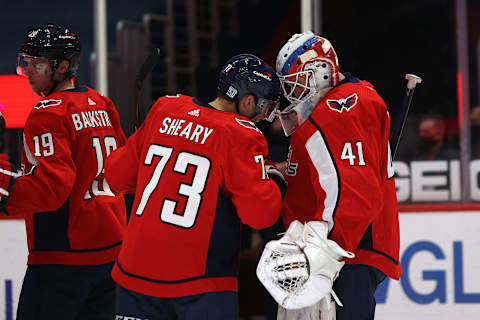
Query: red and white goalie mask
(306,64)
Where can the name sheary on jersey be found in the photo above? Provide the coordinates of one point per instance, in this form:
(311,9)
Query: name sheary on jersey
(95,118)
(188,129)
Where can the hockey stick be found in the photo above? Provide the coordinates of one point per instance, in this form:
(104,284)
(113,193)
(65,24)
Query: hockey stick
(3,132)
(401,117)
(150,62)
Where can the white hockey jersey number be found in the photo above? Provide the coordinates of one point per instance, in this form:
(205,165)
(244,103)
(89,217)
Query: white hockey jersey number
(259,159)
(348,154)
(100,185)
(192,191)
(390,170)
(43,145)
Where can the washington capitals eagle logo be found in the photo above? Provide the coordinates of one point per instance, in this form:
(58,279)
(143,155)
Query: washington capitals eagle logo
(48,103)
(247,124)
(344,103)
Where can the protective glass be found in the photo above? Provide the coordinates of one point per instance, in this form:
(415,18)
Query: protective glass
(295,115)
(267,108)
(38,64)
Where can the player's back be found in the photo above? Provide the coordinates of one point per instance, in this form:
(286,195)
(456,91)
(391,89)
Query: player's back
(197,169)
(68,135)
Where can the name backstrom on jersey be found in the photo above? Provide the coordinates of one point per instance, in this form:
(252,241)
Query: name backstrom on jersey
(97,118)
(180,127)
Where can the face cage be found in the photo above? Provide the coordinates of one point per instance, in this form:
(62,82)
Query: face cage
(267,108)
(39,67)
(307,85)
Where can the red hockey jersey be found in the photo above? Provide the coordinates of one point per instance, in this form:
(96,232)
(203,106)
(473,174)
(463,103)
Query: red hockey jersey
(72,217)
(339,170)
(198,173)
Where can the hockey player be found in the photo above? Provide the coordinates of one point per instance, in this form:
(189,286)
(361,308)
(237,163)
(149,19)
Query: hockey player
(74,222)
(198,171)
(340,184)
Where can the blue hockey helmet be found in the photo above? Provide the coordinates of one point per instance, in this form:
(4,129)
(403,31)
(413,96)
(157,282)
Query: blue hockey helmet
(247,74)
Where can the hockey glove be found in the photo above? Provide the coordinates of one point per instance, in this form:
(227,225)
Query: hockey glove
(298,273)
(7,180)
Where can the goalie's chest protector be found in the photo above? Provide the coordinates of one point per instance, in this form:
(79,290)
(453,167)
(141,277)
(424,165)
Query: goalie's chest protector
(339,171)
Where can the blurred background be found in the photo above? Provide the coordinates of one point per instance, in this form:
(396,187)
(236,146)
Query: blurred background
(438,162)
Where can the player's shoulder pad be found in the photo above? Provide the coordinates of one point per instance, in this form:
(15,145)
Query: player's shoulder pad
(244,132)
(170,97)
(248,124)
(48,111)
(167,99)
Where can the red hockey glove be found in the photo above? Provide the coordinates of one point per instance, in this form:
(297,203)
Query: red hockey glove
(7,180)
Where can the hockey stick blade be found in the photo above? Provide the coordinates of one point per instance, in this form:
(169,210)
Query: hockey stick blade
(150,62)
(401,118)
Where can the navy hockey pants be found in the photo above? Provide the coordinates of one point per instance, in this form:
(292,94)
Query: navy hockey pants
(67,293)
(219,305)
(355,286)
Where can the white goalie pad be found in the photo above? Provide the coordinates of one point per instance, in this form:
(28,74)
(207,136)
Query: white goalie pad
(298,273)
(323,310)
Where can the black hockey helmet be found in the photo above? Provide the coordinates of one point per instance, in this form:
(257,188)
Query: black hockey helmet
(54,43)
(247,74)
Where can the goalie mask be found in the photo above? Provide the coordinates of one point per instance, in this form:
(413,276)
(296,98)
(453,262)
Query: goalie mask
(306,64)
(247,74)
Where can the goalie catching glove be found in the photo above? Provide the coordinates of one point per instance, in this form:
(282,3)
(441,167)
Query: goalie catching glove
(299,269)
(7,179)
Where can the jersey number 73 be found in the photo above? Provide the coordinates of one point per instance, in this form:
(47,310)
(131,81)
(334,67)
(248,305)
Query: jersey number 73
(192,191)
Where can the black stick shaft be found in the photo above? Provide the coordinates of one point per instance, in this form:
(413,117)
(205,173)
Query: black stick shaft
(400,121)
(150,62)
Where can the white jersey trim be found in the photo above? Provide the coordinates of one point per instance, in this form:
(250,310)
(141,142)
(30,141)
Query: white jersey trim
(327,174)
(31,159)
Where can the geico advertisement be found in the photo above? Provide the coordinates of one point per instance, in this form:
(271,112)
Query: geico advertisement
(434,181)
(440,259)
(13,263)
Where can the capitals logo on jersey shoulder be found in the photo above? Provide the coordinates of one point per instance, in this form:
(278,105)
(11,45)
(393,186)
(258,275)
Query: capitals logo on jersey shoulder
(48,103)
(247,124)
(344,103)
